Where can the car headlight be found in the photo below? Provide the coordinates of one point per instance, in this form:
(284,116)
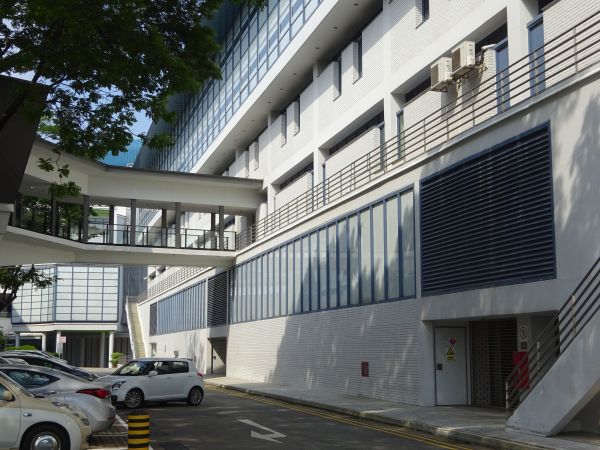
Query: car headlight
(75,410)
(116,386)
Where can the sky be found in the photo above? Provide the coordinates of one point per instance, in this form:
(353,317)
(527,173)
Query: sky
(142,123)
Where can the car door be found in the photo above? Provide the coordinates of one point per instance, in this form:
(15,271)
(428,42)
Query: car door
(181,378)
(10,418)
(165,383)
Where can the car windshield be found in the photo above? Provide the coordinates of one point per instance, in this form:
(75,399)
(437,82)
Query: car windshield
(134,368)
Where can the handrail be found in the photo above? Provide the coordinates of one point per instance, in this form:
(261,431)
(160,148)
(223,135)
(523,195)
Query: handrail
(579,308)
(562,56)
(145,236)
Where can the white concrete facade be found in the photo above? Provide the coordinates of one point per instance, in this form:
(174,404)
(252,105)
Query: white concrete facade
(317,104)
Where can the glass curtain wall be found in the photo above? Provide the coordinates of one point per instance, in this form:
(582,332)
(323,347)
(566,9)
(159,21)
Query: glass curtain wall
(249,50)
(364,257)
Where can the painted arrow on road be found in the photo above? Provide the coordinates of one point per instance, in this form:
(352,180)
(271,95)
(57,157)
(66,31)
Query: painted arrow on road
(271,436)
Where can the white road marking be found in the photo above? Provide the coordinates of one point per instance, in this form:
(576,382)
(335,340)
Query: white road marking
(271,436)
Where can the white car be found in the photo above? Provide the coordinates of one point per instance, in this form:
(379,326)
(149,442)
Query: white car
(32,423)
(95,401)
(155,380)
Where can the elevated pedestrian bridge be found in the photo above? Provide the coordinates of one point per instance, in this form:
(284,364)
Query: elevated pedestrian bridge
(50,232)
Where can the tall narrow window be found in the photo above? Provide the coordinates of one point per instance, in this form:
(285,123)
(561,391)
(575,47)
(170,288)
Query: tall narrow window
(422,11)
(400,128)
(536,55)
(357,55)
(502,80)
(296,106)
(337,76)
(283,128)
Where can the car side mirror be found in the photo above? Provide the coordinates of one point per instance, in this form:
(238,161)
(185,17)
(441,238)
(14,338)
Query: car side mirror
(8,396)
(153,373)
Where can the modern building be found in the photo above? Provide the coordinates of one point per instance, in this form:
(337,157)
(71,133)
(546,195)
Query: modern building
(81,316)
(428,224)
(126,158)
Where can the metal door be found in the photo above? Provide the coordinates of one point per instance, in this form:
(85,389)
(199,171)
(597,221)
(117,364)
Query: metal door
(450,366)
(219,356)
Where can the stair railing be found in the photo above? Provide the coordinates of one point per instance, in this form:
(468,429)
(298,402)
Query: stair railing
(581,306)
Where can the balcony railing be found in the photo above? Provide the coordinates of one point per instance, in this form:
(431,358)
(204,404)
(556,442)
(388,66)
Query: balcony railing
(143,236)
(573,51)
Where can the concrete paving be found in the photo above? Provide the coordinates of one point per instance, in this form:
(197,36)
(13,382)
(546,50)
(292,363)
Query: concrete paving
(470,425)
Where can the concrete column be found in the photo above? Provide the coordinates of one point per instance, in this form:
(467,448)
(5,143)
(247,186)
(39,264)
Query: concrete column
(16,217)
(111,345)
(213,227)
(132,221)
(178,225)
(17,339)
(53,216)
(221,228)
(58,347)
(44,341)
(103,358)
(111,223)
(85,224)
(163,228)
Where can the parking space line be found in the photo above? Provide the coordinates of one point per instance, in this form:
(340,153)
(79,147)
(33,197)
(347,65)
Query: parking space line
(388,429)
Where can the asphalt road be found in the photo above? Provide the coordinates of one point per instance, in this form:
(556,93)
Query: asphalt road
(232,420)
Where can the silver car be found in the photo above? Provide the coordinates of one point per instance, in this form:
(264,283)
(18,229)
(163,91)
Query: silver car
(14,361)
(93,399)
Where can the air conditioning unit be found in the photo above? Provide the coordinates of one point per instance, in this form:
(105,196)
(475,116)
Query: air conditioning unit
(463,58)
(441,74)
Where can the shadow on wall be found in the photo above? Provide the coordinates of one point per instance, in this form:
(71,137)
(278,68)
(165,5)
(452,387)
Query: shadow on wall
(324,350)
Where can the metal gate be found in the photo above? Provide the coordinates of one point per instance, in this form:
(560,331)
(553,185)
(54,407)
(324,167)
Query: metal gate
(216,307)
(492,345)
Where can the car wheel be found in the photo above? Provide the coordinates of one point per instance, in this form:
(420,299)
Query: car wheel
(47,436)
(134,399)
(194,398)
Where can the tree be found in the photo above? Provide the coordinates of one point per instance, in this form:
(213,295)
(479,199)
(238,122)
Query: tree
(103,61)
(12,278)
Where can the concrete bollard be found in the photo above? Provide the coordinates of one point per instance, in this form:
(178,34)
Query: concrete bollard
(138,430)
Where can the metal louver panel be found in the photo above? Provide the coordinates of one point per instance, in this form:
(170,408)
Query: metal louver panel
(493,343)
(217,300)
(153,319)
(489,220)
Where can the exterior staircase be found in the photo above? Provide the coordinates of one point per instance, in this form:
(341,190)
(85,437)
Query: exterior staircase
(135,328)
(560,375)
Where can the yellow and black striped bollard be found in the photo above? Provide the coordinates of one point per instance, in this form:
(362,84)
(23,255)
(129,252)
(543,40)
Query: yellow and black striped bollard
(138,430)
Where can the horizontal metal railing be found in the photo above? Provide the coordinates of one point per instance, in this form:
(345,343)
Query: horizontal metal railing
(581,306)
(143,236)
(559,58)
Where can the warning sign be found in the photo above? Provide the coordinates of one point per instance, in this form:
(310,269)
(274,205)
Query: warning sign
(450,354)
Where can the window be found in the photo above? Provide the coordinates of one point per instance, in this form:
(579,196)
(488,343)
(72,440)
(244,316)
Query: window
(536,55)
(337,76)
(296,106)
(283,122)
(401,138)
(30,379)
(422,11)
(357,58)
(180,367)
(502,80)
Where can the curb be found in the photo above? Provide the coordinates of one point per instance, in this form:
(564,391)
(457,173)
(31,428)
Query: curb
(463,437)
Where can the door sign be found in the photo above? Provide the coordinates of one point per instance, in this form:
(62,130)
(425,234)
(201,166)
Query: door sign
(451,351)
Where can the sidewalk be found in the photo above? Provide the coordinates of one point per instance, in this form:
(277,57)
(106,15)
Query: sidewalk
(469,425)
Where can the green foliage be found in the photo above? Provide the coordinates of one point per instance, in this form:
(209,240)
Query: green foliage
(21,347)
(54,354)
(102,62)
(13,277)
(2,340)
(114,358)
